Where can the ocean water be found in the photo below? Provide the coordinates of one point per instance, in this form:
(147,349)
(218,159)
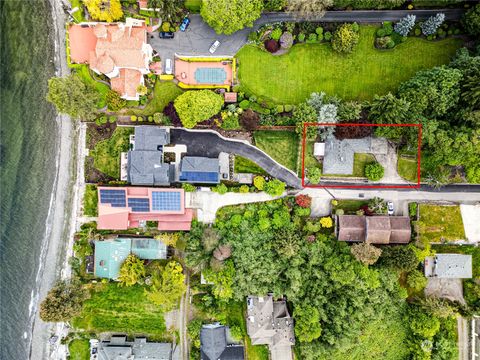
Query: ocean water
(27,163)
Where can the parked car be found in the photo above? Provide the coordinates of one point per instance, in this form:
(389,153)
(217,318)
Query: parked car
(185,23)
(214,46)
(390,208)
(166,35)
(168,66)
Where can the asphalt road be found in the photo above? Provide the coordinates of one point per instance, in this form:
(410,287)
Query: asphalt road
(210,144)
(199,36)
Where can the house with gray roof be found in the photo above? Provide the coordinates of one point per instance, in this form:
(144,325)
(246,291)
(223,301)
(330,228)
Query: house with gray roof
(217,344)
(339,154)
(269,323)
(449,266)
(118,348)
(197,169)
(145,164)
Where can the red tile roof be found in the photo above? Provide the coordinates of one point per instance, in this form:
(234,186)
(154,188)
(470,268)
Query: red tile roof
(127,82)
(82,42)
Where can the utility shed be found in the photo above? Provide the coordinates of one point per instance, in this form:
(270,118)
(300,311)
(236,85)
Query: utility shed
(449,266)
(319,149)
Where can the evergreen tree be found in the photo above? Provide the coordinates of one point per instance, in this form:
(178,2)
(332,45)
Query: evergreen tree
(405,25)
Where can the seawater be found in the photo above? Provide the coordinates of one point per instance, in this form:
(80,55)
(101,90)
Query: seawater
(27,163)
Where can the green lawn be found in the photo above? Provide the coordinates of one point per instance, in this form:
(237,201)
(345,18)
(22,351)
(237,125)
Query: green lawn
(78,15)
(164,92)
(79,349)
(84,72)
(290,78)
(280,145)
(243,165)
(439,223)
(106,155)
(350,206)
(121,309)
(193,5)
(407,168)
(90,200)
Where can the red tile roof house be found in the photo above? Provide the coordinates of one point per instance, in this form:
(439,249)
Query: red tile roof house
(121,208)
(118,50)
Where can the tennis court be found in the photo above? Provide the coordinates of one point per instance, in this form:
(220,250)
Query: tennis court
(204,72)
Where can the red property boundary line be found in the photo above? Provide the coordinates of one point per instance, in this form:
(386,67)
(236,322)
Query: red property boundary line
(416,186)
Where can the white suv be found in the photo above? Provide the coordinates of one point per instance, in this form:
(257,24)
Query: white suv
(214,46)
(168,66)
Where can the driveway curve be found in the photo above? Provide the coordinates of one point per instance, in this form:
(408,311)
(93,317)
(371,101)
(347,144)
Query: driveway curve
(210,143)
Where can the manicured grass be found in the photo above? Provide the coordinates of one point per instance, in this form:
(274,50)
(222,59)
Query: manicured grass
(121,309)
(439,223)
(84,73)
(310,160)
(280,145)
(193,5)
(359,163)
(79,350)
(164,92)
(243,165)
(255,352)
(90,200)
(407,168)
(290,78)
(106,155)
(350,206)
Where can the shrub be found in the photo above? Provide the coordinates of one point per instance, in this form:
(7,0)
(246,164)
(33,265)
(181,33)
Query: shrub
(303,201)
(249,120)
(418,32)
(276,33)
(112,119)
(166,26)
(259,182)
(244,189)
(114,101)
(188,187)
(274,187)
(416,280)
(286,40)
(365,253)
(326,222)
(381,33)
(328,36)
(271,45)
(387,26)
(301,37)
(314,175)
(288,108)
(471,21)
(196,106)
(140,118)
(345,39)
(244,104)
(160,118)
(279,109)
(312,38)
(319,30)
(374,171)
(133,118)
(405,25)
(430,26)
(220,189)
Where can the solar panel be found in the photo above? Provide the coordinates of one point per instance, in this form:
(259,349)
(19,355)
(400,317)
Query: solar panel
(139,204)
(116,198)
(196,176)
(166,201)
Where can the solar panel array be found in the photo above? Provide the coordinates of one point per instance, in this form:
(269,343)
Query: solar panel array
(166,200)
(139,204)
(117,198)
(199,177)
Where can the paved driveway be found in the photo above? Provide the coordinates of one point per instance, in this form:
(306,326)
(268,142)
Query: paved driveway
(210,144)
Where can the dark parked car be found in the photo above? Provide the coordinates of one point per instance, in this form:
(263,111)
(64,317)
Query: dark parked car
(185,23)
(166,35)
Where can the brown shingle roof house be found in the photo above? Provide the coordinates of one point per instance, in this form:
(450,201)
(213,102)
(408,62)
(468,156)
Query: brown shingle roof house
(374,229)
(119,51)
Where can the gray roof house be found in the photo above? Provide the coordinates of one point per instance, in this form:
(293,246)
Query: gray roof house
(118,348)
(197,169)
(449,266)
(145,162)
(339,154)
(269,323)
(216,344)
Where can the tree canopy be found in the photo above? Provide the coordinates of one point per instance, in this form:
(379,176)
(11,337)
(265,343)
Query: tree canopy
(103,10)
(197,105)
(168,286)
(63,302)
(132,271)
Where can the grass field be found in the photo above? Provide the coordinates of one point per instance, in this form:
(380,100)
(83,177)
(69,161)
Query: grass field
(164,92)
(90,200)
(407,168)
(84,73)
(121,309)
(106,155)
(316,67)
(243,165)
(79,350)
(280,145)
(439,223)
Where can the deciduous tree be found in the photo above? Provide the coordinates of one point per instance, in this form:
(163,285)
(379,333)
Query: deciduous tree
(63,302)
(104,10)
(416,280)
(168,286)
(365,253)
(307,323)
(345,38)
(308,8)
(132,271)
(274,187)
(471,21)
(197,105)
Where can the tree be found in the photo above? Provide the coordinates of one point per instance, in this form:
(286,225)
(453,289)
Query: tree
(349,111)
(440,308)
(275,187)
(365,253)
(303,201)
(222,252)
(287,241)
(405,25)
(388,109)
(249,120)
(471,21)
(399,257)
(423,324)
(104,10)
(305,113)
(471,87)
(307,323)
(63,302)
(314,175)
(259,182)
(197,105)
(114,101)
(229,16)
(432,24)
(168,286)
(377,206)
(194,328)
(166,9)
(345,39)
(72,96)
(374,171)
(220,189)
(326,222)
(169,239)
(132,271)
(308,8)
(210,239)
(222,281)
(416,280)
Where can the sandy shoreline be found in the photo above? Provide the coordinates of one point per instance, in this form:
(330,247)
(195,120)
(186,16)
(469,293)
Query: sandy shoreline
(67,195)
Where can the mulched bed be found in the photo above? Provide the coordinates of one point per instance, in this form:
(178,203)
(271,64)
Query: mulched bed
(94,176)
(97,133)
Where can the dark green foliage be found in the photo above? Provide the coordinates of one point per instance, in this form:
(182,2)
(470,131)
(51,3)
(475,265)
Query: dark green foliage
(374,171)
(274,5)
(63,302)
(114,101)
(389,109)
(399,258)
(274,187)
(220,189)
(471,21)
(328,36)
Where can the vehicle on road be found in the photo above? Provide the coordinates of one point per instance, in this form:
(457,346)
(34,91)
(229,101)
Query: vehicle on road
(168,66)
(214,46)
(166,35)
(185,23)
(390,208)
